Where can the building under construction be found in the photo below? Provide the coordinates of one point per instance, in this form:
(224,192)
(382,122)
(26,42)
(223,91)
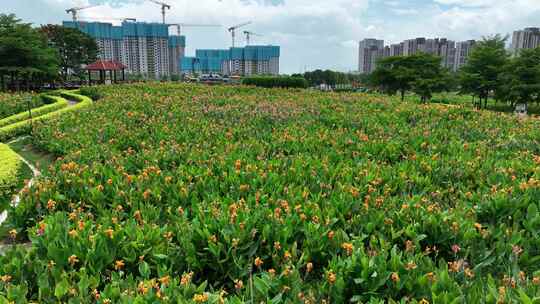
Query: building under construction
(144,48)
(242,61)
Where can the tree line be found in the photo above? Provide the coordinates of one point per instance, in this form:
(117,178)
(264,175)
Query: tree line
(31,57)
(490,72)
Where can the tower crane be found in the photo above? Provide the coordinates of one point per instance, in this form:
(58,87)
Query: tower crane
(74,10)
(180,25)
(233,29)
(249,34)
(164,7)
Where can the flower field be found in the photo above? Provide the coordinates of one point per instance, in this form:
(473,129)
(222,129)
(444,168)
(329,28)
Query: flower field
(182,193)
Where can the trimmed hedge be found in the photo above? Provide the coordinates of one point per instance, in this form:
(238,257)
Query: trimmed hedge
(13,103)
(91,92)
(24,126)
(58,103)
(12,174)
(276,82)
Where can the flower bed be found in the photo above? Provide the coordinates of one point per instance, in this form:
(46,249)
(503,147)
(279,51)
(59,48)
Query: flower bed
(13,171)
(186,193)
(13,103)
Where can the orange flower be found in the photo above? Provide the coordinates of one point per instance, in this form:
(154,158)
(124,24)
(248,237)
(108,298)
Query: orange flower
(258,262)
(51,204)
(72,260)
(13,233)
(186,278)
(348,247)
(331,277)
(165,280)
(142,289)
(331,234)
(118,265)
(238,284)
(410,266)
(5,278)
(146,194)
(394,277)
(309,267)
(73,233)
(109,232)
(200,298)
(287,255)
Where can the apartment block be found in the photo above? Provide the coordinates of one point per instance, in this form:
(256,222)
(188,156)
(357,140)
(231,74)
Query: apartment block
(144,48)
(242,61)
(529,38)
(369,51)
(463,50)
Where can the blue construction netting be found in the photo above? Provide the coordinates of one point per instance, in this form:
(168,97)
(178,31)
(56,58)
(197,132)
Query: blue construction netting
(175,41)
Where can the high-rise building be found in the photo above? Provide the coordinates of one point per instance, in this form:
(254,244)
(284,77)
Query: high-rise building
(243,61)
(144,48)
(463,50)
(396,49)
(369,51)
(529,38)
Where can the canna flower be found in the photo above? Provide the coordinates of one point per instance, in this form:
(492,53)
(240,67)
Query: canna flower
(277,246)
(72,260)
(165,280)
(431,277)
(146,194)
(186,279)
(142,289)
(73,233)
(238,165)
(13,233)
(238,284)
(109,233)
(100,188)
(51,205)
(536,280)
(118,265)
(517,250)
(309,267)
(5,278)
(456,248)
(200,298)
(258,262)
(331,277)
(272,272)
(287,255)
(394,277)
(331,234)
(423,301)
(410,266)
(348,247)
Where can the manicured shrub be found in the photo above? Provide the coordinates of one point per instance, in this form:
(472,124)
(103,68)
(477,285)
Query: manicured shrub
(276,82)
(58,103)
(12,173)
(92,92)
(25,126)
(13,103)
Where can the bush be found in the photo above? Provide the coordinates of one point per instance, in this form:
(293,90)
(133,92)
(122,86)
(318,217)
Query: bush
(276,82)
(11,104)
(11,174)
(91,92)
(59,103)
(25,126)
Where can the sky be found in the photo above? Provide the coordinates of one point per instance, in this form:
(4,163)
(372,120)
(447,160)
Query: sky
(312,34)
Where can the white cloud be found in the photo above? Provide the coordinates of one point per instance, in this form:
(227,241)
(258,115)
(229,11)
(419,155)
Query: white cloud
(312,33)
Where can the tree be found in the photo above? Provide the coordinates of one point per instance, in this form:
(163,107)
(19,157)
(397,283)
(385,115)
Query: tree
(24,54)
(420,73)
(480,75)
(75,48)
(519,81)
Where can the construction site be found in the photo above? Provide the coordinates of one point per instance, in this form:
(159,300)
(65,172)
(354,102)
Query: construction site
(158,50)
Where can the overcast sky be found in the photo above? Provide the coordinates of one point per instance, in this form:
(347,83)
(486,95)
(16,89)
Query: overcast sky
(312,33)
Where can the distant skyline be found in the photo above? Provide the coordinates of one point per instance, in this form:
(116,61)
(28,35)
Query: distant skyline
(312,33)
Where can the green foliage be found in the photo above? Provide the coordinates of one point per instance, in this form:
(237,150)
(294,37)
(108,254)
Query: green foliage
(12,174)
(13,103)
(519,82)
(58,103)
(278,196)
(92,92)
(74,47)
(24,52)
(26,126)
(480,75)
(329,77)
(276,82)
(420,73)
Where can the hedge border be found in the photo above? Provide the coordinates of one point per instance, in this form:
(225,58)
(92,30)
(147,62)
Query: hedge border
(24,126)
(58,103)
(12,170)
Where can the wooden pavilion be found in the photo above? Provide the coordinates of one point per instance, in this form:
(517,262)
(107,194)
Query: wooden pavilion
(104,66)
